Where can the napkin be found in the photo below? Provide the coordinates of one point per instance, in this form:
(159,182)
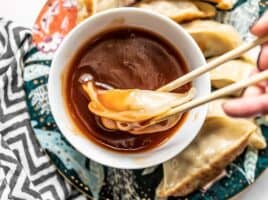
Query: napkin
(25,169)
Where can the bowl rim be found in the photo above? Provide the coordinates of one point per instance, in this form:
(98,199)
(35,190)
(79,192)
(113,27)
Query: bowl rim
(191,43)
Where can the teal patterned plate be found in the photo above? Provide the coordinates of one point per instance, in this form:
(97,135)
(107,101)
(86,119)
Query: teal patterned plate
(55,20)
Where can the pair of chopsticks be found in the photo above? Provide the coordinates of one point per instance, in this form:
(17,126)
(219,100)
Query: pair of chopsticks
(206,68)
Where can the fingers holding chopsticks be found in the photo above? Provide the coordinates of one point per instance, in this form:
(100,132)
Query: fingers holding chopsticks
(255,99)
(261,29)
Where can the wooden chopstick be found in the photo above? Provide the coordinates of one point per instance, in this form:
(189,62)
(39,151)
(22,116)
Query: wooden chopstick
(212,64)
(215,95)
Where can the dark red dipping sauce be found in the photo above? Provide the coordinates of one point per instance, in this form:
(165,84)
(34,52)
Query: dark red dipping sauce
(122,58)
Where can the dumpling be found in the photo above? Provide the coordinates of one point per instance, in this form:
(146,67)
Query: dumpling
(219,142)
(183,10)
(223,4)
(212,37)
(85,9)
(140,128)
(256,140)
(132,105)
(107,4)
(162,126)
(230,72)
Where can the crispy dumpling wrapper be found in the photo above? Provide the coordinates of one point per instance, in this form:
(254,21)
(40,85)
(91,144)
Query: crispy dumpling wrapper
(133,105)
(180,11)
(256,140)
(108,4)
(223,4)
(219,142)
(85,8)
(230,72)
(212,37)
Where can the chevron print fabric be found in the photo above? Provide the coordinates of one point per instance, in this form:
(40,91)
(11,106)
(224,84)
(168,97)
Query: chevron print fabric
(25,170)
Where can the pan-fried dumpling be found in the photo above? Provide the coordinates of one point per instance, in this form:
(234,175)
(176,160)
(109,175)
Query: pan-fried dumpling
(230,72)
(213,37)
(183,10)
(219,142)
(107,4)
(223,4)
(85,9)
(132,105)
(256,140)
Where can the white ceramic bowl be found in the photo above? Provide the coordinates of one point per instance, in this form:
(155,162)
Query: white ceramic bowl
(147,20)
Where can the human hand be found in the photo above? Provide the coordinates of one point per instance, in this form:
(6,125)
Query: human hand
(255,99)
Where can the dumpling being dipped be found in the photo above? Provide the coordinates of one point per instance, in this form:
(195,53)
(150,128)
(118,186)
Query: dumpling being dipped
(180,11)
(137,128)
(212,37)
(132,105)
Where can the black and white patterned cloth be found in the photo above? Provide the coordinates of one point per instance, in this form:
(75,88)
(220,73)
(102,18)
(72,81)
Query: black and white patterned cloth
(25,170)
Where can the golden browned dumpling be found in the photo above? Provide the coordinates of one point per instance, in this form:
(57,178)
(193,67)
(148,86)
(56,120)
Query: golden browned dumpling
(85,8)
(230,72)
(219,142)
(223,4)
(183,10)
(256,140)
(107,4)
(212,37)
(132,105)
